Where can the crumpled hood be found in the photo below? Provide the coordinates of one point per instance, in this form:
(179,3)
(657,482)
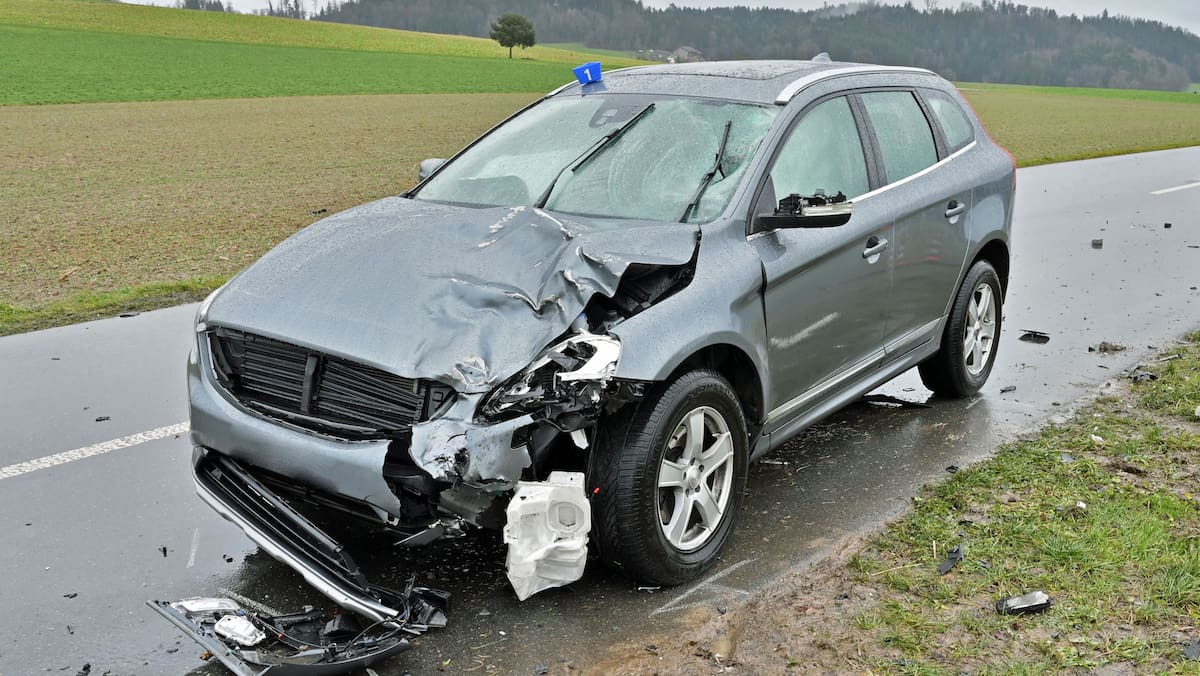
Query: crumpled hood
(424,290)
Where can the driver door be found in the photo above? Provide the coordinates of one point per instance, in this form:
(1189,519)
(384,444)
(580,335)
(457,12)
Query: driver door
(826,289)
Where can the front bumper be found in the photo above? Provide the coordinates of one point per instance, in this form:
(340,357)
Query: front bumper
(288,536)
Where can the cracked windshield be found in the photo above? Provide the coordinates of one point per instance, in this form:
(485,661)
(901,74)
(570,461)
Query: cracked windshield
(651,171)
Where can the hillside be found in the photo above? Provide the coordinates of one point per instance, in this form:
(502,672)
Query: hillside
(995,42)
(165,22)
(72,51)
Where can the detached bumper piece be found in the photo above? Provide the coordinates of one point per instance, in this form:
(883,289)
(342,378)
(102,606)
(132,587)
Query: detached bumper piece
(288,536)
(308,643)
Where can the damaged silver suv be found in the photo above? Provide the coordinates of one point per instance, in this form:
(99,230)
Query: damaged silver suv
(587,323)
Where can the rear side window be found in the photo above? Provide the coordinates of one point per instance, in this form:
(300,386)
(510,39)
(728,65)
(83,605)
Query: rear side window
(904,136)
(823,152)
(955,125)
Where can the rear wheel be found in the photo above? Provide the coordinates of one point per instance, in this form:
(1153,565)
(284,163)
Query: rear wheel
(670,474)
(969,342)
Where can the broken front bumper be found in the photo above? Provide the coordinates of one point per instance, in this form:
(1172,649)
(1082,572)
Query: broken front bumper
(289,537)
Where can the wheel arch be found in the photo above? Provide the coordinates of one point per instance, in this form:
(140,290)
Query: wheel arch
(995,251)
(736,366)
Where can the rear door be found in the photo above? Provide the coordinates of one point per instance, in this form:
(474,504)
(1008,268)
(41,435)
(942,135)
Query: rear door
(932,207)
(827,289)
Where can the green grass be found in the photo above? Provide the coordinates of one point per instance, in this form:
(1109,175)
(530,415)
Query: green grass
(144,20)
(1041,125)
(582,48)
(97,305)
(41,65)
(1123,570)
(1095,92)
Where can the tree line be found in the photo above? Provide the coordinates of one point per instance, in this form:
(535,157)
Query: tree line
(996,41)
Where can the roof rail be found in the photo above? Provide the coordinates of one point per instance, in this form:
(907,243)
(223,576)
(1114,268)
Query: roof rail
(790,91)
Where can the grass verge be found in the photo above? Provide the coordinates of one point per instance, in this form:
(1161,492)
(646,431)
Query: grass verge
(1101,513)
(86,306)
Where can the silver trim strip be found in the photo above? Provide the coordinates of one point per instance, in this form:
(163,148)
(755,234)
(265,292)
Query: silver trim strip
(913,177)
(786,410)
(790,91)
(364,606)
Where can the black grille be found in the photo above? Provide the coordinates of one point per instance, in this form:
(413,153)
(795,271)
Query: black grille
(319,392)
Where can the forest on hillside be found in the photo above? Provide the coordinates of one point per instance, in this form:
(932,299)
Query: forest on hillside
(991,42)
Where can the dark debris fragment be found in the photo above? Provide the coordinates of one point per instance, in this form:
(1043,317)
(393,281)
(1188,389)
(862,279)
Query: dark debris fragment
(1033,602)
(1036,337)
(1008,388)
(888,400)
(1192,651)
(953,557)
(102,418)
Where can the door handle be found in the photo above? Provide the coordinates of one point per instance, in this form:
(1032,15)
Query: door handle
(955,208)
(874,246)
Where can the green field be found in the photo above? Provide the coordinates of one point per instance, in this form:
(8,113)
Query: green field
(73,51)
(580,47)
(144,20)
(1090,92)
(44,65)
(1038,125)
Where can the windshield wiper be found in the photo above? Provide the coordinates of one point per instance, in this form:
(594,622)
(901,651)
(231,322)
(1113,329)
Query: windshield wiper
(590,152)
(691,206)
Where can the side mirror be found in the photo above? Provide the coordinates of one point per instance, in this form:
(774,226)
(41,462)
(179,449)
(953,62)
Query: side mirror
(429,166)
(815,211)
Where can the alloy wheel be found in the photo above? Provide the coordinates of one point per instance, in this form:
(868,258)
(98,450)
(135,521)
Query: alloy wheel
(695,478)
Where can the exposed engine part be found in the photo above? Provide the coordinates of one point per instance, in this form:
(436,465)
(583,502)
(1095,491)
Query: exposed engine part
(547,533)
(640,287)
(571,376)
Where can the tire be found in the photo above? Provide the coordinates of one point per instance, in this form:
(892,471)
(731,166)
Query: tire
(959,369)
(639,525)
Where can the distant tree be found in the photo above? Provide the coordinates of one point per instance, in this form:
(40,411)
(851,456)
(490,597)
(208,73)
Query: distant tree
(292,9)
(512,30)
(206,5)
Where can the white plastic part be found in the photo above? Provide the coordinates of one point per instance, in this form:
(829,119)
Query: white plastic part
(200,605)
(240,630)
(547,533)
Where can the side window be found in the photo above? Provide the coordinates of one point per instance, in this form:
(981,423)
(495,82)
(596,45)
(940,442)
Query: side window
(955,125)
(823,152)
(904,136)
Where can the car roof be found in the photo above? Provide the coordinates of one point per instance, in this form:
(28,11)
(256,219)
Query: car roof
(754,81)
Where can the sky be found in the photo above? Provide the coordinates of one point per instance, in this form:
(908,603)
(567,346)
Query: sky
(1185,13)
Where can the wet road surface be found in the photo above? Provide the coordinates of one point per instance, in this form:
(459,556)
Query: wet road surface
(90,530)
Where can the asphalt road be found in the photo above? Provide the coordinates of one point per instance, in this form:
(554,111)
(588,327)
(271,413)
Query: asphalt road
(91,529)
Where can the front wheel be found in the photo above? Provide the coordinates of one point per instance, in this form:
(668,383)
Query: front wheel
(668,477)
(968,351)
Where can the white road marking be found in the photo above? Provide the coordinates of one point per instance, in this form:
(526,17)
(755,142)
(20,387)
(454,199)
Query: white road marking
(706,586)
(249,603)
(195,547)
(1177,188)
(88,451)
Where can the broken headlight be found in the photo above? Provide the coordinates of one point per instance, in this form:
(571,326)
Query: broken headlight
(567,377)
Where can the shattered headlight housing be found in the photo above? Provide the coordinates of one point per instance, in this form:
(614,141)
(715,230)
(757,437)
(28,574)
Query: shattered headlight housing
(567,377)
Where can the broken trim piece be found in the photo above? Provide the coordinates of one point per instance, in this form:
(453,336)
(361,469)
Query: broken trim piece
(308,643)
